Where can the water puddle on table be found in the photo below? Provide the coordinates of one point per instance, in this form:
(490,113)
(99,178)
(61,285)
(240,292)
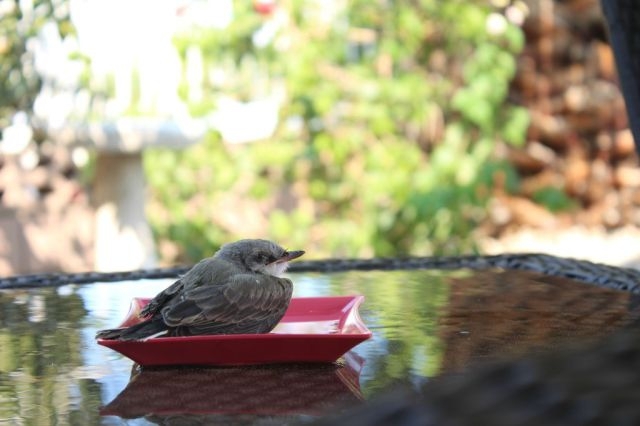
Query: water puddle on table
(424,324)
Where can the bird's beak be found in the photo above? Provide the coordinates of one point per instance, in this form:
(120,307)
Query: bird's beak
(290,255)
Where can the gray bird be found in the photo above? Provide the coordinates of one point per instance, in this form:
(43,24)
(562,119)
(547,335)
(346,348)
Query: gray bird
(237,291)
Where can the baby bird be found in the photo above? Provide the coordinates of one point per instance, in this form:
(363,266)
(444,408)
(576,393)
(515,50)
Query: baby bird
(239,290)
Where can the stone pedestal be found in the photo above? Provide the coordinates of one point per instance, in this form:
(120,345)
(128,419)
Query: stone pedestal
(123,236)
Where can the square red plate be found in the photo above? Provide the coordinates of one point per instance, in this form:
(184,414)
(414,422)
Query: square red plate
(314,329)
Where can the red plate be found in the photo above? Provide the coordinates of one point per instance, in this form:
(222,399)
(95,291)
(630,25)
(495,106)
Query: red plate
(314,329)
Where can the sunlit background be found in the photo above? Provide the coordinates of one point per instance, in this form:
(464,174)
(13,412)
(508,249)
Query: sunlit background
(142,133)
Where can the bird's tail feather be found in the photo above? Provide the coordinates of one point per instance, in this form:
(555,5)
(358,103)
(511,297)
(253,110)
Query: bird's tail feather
(146,329)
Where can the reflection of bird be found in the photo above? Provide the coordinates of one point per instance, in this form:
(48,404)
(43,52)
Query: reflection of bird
(238,290)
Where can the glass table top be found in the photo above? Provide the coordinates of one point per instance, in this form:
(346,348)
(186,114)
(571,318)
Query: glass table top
(424,323)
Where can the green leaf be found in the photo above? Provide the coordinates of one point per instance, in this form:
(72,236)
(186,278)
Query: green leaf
(515,126)
(553,199)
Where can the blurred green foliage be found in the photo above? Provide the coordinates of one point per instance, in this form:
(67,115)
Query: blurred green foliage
(395,299)
(554,199)
(20,23)
(386,142)
(41,354)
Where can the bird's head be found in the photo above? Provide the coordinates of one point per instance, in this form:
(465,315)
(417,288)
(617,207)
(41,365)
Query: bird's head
(260,256)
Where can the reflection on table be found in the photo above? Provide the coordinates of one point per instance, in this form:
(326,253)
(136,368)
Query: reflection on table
(273,390)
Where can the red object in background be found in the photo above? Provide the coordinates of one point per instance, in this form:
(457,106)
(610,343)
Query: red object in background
(314,329)
(264,7)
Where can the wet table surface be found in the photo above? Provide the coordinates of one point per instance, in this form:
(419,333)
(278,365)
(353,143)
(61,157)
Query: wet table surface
(424,324)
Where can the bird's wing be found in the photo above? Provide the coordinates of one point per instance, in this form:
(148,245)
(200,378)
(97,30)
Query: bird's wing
(154,306)
(208,271)
(246,298)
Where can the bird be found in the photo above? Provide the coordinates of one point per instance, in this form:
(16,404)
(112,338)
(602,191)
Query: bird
(239,290)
